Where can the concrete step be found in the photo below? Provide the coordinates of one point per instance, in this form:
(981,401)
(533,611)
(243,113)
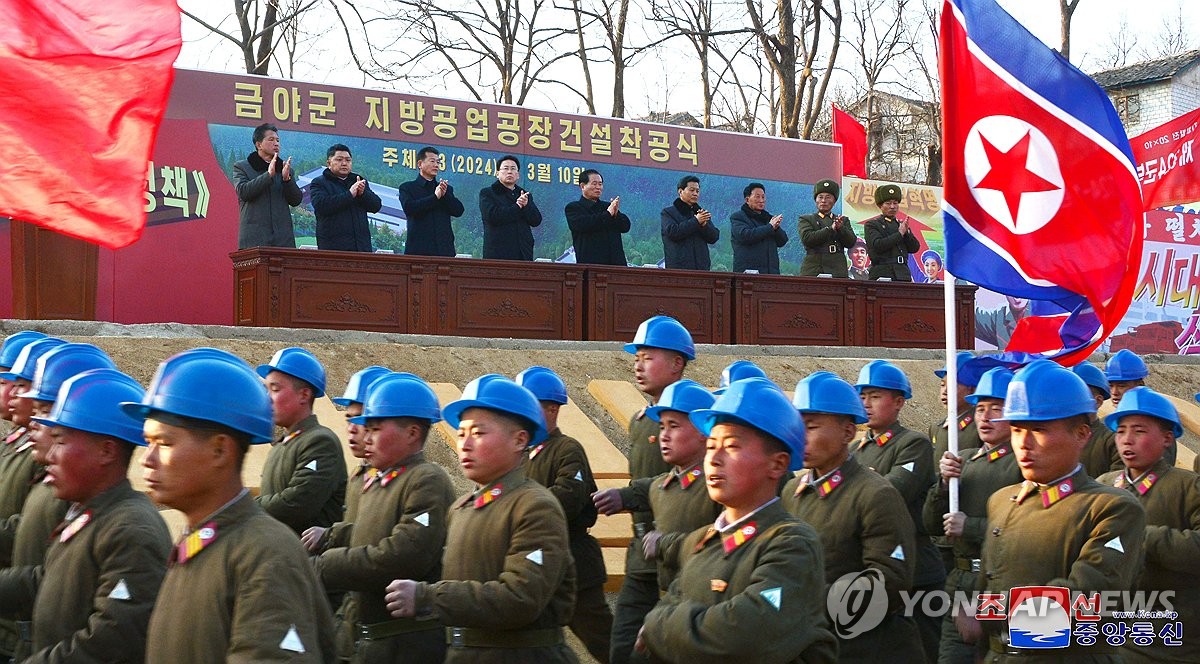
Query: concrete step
(620,398)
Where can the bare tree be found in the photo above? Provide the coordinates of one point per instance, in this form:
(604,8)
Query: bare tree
(613,19)
(1066,11)
(261,27)
(791,44)
(879,35)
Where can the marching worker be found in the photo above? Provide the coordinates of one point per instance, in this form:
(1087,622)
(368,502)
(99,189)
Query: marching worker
(661,349)
(752,586)
(1059,527)
(889,241)
(756,235)
(982,472)
(677,498)
(1125,371)
(826,236)
(317,539)
(238,586)
(905,458)
(91,599)
(400,527)
(508,584)
(968,434)
(509,214)
(9,350)
(859,515)
(688,229)
(561,465)
(735,371)
(1100,454)
(1147,426)
(596,225)
(304,476)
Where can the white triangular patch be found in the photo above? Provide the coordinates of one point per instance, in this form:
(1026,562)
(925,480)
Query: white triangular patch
(120,591)
(1115,545)
(423,519)
(774,596)
(579,476)
(535,556)
(909,466)
(311,465)
(291,641)
(898,552)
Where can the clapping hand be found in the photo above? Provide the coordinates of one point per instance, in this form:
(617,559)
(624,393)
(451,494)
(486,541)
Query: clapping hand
(287,169)
(614,206)
(776,220)
(358,187)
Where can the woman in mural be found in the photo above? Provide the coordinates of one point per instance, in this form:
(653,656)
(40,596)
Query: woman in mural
(931,265)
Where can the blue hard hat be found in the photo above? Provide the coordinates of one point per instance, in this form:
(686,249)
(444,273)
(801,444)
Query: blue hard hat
(960,360)
(663,332)
(757,403)
(1045,390)
(992,385)
(399,395)
(1142,400)
(13,345)
(826,392)
(1125,365)
(885,375)
(503,395)
(91,401)
(212,385)
(544,383)
(299,363)
(25,364)
(1093,377)
(59,364)
(737,371)
(356,389)
(682,396)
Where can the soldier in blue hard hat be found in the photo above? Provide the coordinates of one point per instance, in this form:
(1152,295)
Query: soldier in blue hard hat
(239,586)
(905,458)
(661,348)
(1124,371)
(508,584)
(968,434)
(304,476)
(982,472)
(1148,425)
(737,370)
(101,576)
(400,528)
(677,499)
(1059,527)
(8,354)
(560,464)
(859,515)
(1099,456)
(752,584)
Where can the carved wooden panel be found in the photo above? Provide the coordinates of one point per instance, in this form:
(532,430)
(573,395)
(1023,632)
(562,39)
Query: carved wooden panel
(913,316)
(791,310)
(504,299)
(336,302)
(619,299)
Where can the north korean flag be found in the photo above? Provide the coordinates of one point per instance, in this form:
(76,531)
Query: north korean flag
(1042,199)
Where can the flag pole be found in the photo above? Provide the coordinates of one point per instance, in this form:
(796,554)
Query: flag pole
(951,381)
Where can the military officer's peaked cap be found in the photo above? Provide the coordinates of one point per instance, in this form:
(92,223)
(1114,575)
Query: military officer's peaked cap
(887,192)
(826,187)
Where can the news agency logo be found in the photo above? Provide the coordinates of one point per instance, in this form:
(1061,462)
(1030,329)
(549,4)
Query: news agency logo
(857,603)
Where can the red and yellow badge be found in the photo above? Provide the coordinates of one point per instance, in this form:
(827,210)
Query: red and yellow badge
(75,526)
(536,451)
(739,537)
(488,496)
(384,480)
(832,482)
(686,479)
(1145,483)
(1056,492)
(880,440)
(369,478)
(997,453)
(291,435)
(12,437)
(195,542)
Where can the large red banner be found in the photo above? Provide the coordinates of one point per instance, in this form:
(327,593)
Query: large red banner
(1167,163)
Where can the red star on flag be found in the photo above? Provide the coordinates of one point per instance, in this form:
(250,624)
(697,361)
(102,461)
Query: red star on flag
(1010,175)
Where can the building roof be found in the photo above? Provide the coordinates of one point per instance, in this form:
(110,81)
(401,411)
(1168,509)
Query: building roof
(680,119)
(1146,72)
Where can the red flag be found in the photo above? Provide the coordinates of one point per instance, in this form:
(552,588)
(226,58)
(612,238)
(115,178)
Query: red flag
(1166,162)
(853,138)
(84,85)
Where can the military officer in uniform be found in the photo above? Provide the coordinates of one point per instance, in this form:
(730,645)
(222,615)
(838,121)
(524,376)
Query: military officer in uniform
(1059,527)
(661,348)
(677,499)
(751,588)
(400,527)
(239,586)
(317,539)
(1100,454)
(304,476)
(826,236)
(889,241)
(508,584)
(91,599)
(859,515)
(561,465)
(982,471)
(1147,425)
(905,458)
